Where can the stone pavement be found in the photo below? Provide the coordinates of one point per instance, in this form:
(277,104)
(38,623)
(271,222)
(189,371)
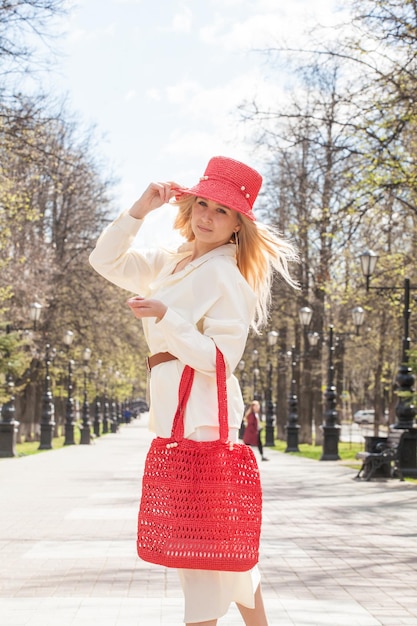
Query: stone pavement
(335,551)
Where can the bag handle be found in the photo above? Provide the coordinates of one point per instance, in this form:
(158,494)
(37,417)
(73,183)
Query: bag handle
(184,391)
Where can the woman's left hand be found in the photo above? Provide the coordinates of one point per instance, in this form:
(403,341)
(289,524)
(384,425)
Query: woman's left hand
(142,307)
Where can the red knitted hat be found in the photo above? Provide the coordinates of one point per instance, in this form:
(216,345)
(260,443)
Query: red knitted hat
(231,183)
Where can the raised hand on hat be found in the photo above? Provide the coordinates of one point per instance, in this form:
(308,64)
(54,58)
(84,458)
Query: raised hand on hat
(155,195)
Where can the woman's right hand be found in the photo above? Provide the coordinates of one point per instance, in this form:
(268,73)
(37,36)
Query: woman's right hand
(152,198)
(143,307)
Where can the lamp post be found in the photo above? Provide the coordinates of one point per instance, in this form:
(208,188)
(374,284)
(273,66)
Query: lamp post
(35,310)
(405,410)
(69,407)
(8,424)
(292,426)
(330,428)
(114,425)
(119,414)
(255,374)
(269,428)
(97,403)
(305,314)
(106,409)
(48,410)
(358,317)
(306,395)
(85,424)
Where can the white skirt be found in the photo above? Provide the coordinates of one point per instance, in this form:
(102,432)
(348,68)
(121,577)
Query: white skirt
(208,594)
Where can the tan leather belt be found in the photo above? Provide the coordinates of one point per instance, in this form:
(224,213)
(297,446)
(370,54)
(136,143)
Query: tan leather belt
(159,357)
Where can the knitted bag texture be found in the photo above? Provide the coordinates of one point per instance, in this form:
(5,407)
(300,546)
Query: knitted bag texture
(201,502)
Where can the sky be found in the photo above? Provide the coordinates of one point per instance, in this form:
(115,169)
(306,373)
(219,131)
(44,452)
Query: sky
(162,80)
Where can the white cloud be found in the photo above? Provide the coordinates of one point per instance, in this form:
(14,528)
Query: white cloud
(211,104)
(211,124)
(153,93)
(226,3)
(256,31)
(130,95)
(268,25)
(182,91)
(83,35)
(181,22)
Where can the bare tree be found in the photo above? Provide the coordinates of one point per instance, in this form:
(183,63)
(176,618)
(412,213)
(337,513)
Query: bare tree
(24,25)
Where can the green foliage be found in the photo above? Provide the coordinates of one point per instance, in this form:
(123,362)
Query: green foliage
(29,448)
(347,451)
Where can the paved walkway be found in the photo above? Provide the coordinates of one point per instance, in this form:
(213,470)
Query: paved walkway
(335,552)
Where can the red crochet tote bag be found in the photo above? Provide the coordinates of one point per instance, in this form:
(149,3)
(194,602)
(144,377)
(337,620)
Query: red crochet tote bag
(201,502)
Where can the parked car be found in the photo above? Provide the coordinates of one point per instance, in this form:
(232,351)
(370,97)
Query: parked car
(139,406)
(142,406)
(367,416)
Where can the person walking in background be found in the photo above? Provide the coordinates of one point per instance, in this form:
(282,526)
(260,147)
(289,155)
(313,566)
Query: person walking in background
(253,428)
(204,295)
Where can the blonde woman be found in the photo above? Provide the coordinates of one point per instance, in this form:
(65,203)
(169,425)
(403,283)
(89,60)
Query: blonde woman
(206,294)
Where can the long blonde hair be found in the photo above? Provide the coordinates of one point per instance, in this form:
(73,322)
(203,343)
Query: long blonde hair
(251,408)
(261,251)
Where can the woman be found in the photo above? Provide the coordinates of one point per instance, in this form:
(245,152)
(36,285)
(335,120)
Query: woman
(206,294)
(252,434)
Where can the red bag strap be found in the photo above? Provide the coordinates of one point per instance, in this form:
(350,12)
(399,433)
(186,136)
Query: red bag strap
(184,391)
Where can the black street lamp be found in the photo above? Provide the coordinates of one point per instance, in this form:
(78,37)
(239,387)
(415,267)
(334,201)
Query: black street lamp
(97,404)
(270,425)
(306,397)
(358,317)
(305,314)
(106,409)
(85,425)
(405,410)
(69,407)
(331,430)
(35,310)
(114,424)
(9,426)
(330,427)
(313,339)
(255,375)
(292,426)
(119,411)
(47,423)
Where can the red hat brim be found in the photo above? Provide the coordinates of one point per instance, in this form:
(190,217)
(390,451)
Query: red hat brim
(222,192)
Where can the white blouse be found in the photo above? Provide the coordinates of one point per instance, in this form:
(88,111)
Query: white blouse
(209,303)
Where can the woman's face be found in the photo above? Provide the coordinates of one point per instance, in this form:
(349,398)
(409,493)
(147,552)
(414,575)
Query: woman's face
(212,223)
